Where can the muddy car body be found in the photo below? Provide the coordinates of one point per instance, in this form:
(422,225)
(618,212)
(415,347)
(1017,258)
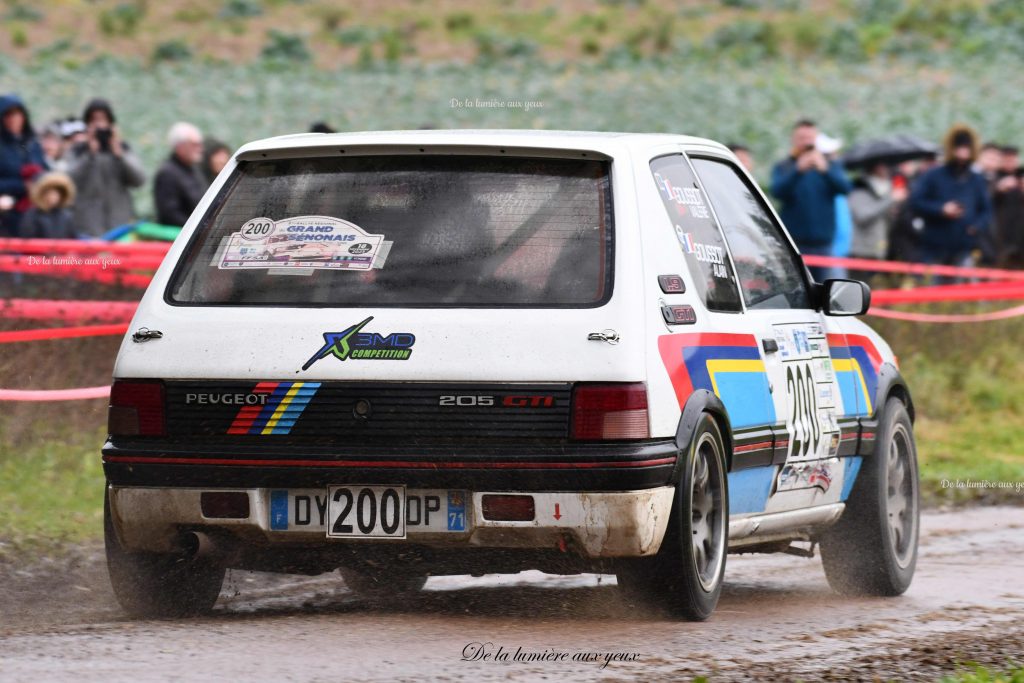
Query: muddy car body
(564,351)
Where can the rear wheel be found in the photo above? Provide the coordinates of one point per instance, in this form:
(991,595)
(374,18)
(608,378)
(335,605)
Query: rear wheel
(379,583)
(687,573)
(872,550)
(156,585)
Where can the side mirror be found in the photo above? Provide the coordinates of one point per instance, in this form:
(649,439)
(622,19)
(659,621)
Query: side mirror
(845,297)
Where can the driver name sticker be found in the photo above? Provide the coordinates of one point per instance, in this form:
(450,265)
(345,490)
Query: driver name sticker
(301,242)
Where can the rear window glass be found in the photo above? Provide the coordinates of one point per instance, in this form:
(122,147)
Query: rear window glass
(446,231)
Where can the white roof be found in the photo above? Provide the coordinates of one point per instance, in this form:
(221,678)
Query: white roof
(603,142)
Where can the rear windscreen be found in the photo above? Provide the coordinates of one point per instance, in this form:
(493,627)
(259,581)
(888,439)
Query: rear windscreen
(446,231)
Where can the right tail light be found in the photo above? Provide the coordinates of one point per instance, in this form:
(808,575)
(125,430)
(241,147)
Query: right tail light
(610,411)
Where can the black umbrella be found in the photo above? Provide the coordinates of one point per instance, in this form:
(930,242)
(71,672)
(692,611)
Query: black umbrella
(891,149)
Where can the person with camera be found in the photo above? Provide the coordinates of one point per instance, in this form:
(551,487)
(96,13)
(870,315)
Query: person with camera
(953,199)
(806,184)
(104,170)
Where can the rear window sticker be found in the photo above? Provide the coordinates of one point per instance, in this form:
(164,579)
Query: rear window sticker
(301,242)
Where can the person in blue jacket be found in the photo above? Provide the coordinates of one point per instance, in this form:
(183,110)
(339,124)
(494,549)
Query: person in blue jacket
(19,150)
(953,199)
(806,183)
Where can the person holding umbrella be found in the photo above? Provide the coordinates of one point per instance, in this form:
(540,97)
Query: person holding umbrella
(874,202)
(953,200)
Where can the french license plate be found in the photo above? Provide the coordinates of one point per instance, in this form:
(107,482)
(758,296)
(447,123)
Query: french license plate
(346,511)
(366,511)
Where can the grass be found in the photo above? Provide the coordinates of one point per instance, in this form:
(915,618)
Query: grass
(52,491)
(1013,673)
(967,382)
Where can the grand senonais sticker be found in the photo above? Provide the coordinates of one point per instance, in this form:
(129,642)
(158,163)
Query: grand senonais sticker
(301,242)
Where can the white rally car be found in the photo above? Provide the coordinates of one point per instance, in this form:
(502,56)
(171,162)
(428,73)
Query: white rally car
(573,352)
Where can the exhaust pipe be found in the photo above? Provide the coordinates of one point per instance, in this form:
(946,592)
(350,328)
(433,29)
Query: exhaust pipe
(197,544)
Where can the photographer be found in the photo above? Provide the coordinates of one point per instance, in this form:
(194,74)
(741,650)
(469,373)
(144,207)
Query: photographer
(954,201)
(104,170)
(807,183)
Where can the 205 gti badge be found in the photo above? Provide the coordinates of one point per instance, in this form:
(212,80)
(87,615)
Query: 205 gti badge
(353,343)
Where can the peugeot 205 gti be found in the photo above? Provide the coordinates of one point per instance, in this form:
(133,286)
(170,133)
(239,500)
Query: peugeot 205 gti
(499,351)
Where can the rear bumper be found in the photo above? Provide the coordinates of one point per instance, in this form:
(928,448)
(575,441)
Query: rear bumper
(612,466)
(593,524)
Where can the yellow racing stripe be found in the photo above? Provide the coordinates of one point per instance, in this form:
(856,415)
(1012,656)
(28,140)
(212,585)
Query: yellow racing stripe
(272,422)
(851,365)
(726,365)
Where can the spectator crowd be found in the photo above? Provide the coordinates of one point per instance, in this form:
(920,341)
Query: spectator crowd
(960,205)
(75,177)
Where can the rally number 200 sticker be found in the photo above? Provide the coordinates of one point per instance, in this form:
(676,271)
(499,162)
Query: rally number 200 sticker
(301,242)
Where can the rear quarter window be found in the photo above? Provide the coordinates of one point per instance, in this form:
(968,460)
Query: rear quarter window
(697,234)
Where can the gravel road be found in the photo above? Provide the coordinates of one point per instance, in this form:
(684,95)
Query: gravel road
(777,620)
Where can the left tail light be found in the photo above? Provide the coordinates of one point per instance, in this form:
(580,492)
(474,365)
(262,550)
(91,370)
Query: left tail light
(136,408)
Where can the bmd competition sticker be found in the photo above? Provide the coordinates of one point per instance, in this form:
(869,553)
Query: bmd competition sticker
(354,344)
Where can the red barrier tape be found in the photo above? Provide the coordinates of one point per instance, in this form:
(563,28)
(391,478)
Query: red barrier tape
(33,246)
(947,317)
(68,311)
(62,333)
(55,394)
(988,291)
(914,268)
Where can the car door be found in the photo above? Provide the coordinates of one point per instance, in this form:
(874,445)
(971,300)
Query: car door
(794,337)
(715,349)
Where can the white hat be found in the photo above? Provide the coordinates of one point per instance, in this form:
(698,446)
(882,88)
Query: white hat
(827,145)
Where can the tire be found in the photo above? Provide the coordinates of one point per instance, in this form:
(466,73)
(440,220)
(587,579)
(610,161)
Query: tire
(155,585)
(872,549)
(381,583)
(687,573)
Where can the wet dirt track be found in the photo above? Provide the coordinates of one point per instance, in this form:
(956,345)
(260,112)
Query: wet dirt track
(777,620)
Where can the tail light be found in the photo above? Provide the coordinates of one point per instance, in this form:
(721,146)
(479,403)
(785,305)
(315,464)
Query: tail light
(610,411)
(136,408)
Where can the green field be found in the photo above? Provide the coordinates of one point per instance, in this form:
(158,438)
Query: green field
(725,101)
(1013,673)
(967,382)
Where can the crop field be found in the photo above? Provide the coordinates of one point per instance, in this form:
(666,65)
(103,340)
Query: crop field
(724,101)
